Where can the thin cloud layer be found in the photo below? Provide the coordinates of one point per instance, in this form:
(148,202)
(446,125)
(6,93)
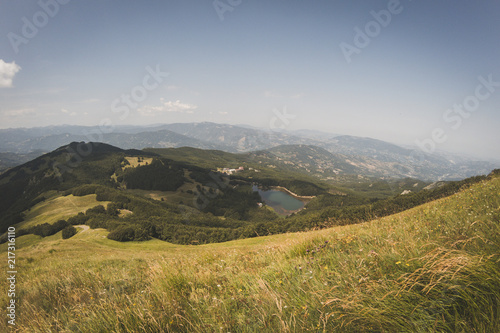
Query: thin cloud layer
(170,106)
(19,113)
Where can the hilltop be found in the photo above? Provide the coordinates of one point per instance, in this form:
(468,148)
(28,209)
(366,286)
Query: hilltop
(431,268)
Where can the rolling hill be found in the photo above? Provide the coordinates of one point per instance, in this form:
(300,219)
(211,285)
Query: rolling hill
(180,200)
(432,268)
(177,194)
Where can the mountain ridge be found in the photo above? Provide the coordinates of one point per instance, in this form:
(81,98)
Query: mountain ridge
(367,153)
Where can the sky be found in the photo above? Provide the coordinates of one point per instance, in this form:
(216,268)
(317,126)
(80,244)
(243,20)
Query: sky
(423,73)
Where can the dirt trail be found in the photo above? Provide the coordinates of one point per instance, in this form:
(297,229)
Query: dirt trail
(83,226)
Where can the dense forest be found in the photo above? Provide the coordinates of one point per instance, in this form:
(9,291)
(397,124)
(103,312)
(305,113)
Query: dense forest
(160,175)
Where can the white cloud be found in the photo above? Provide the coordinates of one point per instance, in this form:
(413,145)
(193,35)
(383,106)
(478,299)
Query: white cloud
(68,112)
(223,113)
(177,106)
(7,73)
(170,106)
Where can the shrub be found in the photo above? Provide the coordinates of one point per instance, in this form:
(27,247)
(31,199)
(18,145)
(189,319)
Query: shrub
(96,210)
(95,223)
(122,234)
(85,190)
(60,225)
(128,233)
(113,207)
(78,219)
(104,194)
(68,232)
(46,229)
(141,235)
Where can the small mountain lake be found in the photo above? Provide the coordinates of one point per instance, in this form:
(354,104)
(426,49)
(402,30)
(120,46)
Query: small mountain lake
(282,203)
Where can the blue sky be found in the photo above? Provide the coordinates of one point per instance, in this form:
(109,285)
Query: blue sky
(240,62)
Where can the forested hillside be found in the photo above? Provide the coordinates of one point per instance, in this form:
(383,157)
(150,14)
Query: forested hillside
(182,199)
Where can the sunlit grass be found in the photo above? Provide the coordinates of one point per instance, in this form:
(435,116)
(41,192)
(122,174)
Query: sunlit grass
(134,162)
(58,208)
(433,268)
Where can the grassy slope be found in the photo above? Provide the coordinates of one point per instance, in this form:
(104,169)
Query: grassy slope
(134,162)
(432,268)
(59,208)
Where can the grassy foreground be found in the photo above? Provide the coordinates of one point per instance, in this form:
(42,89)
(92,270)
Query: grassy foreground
(433,268)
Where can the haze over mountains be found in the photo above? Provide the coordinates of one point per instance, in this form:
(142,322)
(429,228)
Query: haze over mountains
(324,154)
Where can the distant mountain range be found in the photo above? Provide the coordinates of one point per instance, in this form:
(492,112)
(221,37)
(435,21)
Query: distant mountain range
(319,152)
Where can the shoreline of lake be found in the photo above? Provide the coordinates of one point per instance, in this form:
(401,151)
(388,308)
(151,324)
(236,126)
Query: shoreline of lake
(279,206)
(303,198)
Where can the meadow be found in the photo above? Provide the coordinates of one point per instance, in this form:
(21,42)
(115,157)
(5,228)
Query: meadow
(58,208)
(433,268)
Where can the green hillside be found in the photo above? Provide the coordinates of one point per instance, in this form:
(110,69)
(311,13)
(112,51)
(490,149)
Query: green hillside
(58,208)
(176,195)
(433,268)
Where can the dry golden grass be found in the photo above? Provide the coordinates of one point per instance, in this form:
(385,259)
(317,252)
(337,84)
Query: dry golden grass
(134,161)
(434,268)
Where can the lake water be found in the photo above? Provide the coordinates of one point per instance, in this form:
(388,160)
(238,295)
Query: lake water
(281,202)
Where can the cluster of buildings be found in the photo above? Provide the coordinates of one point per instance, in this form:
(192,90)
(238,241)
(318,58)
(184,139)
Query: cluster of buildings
(229,171)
